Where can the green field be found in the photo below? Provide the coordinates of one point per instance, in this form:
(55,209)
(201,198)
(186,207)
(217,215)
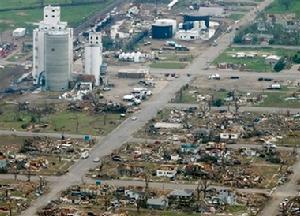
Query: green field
(291,139)
(236,16)
(188,96)
(277,99)
(173,61)
(66,121)
(256,64)
(74,15)
(168,65)
(278,7)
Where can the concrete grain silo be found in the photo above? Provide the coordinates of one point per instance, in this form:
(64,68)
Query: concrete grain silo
(93,56)
(57,60)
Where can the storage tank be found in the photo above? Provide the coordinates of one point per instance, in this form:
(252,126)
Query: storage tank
(164,28)
(57,60)
(191,17)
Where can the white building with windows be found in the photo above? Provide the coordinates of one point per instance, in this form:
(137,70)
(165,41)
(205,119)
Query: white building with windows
(51,25)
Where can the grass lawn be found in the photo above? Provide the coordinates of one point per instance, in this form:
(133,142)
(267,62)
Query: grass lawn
(277,99)
(74,15)
(188,96)
(168,65)
(277,7)
(257,63)
(236,209)
(55,166)
(267,173)
(236,16)
(10,140)
(61,121)
(16,57)
(177,57)
(88,124)
(291,139)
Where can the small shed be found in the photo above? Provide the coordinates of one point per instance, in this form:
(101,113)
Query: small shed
(19,32)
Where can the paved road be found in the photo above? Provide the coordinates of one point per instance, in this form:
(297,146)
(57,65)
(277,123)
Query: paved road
(149,109)
(111,142)
(267,46)
(241,109)
(291,188)
(171,186)
(229,146)
(52,180)
(32,134)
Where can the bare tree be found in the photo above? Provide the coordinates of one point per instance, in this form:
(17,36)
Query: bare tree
(202,187)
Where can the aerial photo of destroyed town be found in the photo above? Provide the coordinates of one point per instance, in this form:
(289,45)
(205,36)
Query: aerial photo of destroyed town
(150,107)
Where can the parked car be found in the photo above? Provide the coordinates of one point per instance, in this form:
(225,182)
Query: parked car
(84,155)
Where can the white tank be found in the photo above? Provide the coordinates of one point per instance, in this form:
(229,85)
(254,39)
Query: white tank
(57,60)
(166,22)
(202,25)
(197,24)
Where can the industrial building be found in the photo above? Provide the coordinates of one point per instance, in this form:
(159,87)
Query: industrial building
(195,30)
(52,52)
(133,73)
(93,57)
(164,29)
(190,30)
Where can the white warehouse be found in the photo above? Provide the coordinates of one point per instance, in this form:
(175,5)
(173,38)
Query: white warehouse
(93,56)
(52,28)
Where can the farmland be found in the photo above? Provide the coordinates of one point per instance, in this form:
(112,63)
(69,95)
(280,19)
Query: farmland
(74,15)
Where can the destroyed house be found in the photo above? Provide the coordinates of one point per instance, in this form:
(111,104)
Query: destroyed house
(201,133)
(157,203)
(3,162)
(130,194)
(197,169)
(227,196)
(166,171)
(181,197)
(189,148)
(130,169)
(82,195)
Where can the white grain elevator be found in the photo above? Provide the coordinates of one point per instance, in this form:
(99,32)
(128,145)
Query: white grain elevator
(52,51)
(93,56)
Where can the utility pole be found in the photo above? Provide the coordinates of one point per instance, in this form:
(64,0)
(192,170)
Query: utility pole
(29,175)
(235,99)
(155,8)
(41,183)
(104,118)
(77,123)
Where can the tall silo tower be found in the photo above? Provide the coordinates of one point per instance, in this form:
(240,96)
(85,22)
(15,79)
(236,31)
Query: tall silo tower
(57,60)
(93,56)
(50,25)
